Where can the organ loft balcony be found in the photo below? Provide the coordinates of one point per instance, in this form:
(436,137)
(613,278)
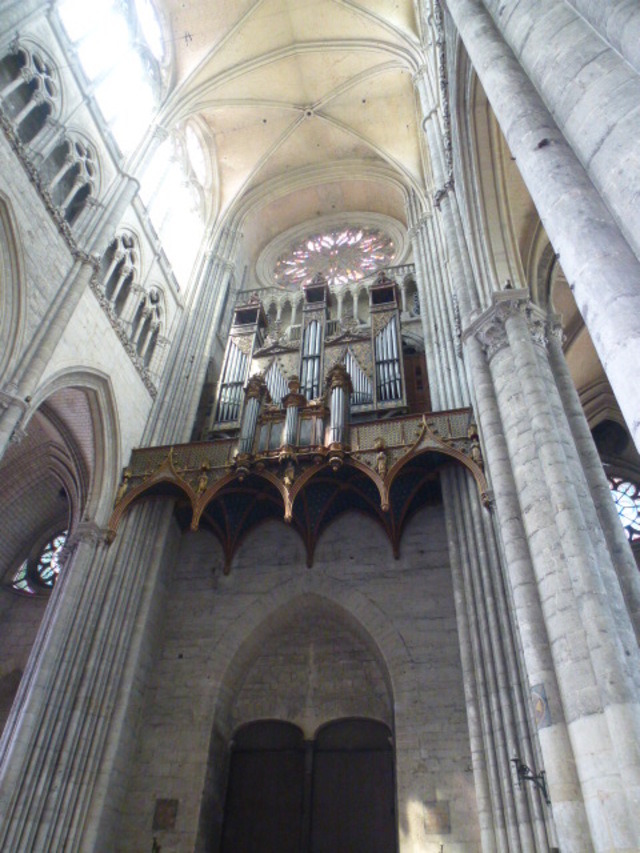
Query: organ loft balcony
(317,410)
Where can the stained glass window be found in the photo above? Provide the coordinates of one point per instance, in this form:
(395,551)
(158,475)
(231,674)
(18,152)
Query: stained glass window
(626,497)
(41,574)
(341,255)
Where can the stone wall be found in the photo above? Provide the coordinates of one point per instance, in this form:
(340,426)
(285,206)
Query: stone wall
(359,634)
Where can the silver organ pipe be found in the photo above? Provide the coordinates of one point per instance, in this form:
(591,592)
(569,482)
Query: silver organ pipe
(387,354)
(395,366)
(340,385)
(362,390)
(276,384)
(310,373)
(233,377)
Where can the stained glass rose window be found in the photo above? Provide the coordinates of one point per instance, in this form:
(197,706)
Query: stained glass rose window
(341,255)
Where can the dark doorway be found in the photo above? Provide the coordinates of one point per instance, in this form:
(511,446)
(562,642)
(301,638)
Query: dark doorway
(263,811)
(333,795)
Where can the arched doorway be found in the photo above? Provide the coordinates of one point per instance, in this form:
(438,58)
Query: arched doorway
(288,795)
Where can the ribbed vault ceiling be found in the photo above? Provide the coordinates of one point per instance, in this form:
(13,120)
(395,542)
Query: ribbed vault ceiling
(296,95)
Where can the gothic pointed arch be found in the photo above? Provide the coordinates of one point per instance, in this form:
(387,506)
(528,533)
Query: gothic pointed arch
(12,289)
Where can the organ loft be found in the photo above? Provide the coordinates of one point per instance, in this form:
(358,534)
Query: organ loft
(319,426)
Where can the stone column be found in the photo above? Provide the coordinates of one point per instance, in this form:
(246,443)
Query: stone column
(515,818)
(618,22)
(591,92)
(172,417)
(616,539)
(56,788)
(603,270)
(595,655)
(254,393)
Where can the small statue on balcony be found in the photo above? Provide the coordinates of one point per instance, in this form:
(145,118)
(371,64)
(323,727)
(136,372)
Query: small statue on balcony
(382,460)
(203,482)
(474,450)
(122,491)
(289,474)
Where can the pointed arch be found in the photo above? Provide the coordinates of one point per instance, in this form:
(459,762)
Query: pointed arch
(12,289)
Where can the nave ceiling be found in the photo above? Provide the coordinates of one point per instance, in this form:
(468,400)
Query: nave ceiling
(307,107)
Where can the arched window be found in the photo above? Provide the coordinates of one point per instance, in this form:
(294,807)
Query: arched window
(39,573)
(147,325)
(626,496)
(69,174)
(175,202)
(119,268)
(28,91)
(121,50)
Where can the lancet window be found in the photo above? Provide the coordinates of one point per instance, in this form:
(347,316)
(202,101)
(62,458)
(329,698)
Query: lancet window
(147,326)
(121,51)
(70,175)
(119,269)
(28,91)
(175,202)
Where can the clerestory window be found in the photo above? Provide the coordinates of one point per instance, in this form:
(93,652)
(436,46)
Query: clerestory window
(121,52)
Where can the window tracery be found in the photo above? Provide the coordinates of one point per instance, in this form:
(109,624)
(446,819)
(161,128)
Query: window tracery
(121,50)
(69,174)
(119,269)
(175,203)
(40,574)
(147,325)
(28,91)
(626,496)
(341,255)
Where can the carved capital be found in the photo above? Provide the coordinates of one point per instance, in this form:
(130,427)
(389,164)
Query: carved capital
(490,327)
(87,532)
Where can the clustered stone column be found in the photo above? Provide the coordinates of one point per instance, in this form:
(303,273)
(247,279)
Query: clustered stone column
(65,750)
(581,601)
(595,255)
(69,713)
(500,719)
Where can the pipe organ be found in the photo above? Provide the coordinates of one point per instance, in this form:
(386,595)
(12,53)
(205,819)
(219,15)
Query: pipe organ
(303,388)
(246,334)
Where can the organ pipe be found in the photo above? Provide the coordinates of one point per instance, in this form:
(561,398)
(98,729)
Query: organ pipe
(340,387)
(387,355)
(255,393)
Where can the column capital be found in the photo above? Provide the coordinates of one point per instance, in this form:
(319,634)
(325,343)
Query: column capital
(489,327)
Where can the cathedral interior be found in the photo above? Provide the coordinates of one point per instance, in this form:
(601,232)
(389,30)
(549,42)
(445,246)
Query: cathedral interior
(319,426)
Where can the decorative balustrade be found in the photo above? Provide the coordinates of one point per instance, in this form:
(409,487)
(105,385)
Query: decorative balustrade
(376,452)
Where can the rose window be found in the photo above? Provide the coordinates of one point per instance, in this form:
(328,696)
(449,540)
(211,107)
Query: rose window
(342,255)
